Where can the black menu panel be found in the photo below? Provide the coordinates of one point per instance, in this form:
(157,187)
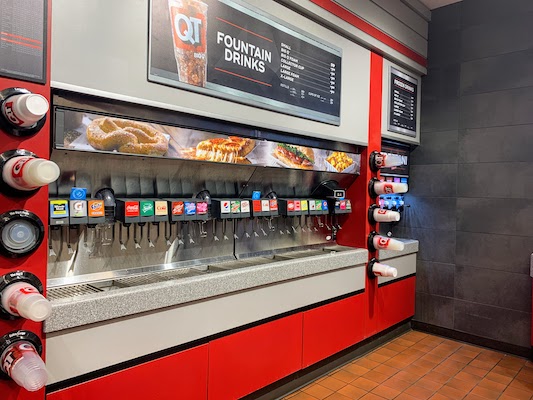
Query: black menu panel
(227,49)
(403,103)
(23,39)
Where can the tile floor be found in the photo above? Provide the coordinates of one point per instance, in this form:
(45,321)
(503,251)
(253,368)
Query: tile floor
(421,366)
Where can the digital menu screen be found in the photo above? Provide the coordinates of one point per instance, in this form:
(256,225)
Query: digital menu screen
(403,103)
(23,39)
(230,50)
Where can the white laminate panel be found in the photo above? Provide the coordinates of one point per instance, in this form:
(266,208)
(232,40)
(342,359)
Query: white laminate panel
(103,51)
(78,351)
(406,15)
(406,265)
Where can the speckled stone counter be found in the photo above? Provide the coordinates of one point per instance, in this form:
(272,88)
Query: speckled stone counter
(411,246)
(92,308)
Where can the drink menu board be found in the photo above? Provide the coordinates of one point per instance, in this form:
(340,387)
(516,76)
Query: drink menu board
(227,49)
(23,39)
(403,103)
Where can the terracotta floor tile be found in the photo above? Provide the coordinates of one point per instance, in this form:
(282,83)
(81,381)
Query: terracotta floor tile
(437,377)
(432,358)
(495,386)
(395,347)
(525,376)
(482,365)
(411,351)
(441,352)
(317,391)
(404,342)
(461,385)
(489,356)
(428,365)
(467,353)
(465,376)
(419,392)
(302,396)
(405,396)
(396,383)
(438,396)
(396,364)
(364,362)
(355,369)
(516,393)
(471,396)
(422,347)
(375,376)
(444,370)
(344,376)
(432,341)
(407,376)
(511,362)
(386,370)
(458,357)
(485,393)
(429,384)
(371,396)
(332,383)
(365,384)
(452,393)
(386,352)
(504,371)
(386,392)
(413,369)
(352,392)
(517,383)
(337,396)
(377,357)
(475,371)
(493,376)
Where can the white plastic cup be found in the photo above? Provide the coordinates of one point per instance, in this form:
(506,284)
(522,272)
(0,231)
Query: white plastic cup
(24,300)
(29,173)
(382,215)
(25,110)
(22,363)
(385,243)
(384,270)
(390,187)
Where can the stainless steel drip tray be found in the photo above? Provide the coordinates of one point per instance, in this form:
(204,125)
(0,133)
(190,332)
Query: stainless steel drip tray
(83,304)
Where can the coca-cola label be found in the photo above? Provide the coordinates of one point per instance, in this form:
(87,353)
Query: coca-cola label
(96,208)
(178,208)
(10,114)
(131,209)
(14,354)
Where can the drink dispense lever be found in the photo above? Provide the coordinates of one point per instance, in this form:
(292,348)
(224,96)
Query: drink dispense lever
(203,208)
(21,297)
(20,359)
(127,212)
(22,113)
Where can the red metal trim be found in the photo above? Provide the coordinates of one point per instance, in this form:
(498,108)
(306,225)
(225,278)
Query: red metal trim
(367,28)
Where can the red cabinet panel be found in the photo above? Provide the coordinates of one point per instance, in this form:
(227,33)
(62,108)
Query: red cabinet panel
(179,376)
(396,302)
(332,328)
(246,361)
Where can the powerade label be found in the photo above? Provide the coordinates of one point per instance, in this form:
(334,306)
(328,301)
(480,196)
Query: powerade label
(297,205)
(147,208)
(235,207)
(161,207)
(190,208)
(201,208)
(265,205)
(312,205)
(256,205)
(96,208)
(225,207)
(178,208)
(78,208)
(290,205)
(304,205)
(245,206)
(273,205)
(318,205)
(58,208)
(324,205)
(131,209)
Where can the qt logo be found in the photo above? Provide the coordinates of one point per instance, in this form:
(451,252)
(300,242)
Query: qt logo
(10,114)
(188,28)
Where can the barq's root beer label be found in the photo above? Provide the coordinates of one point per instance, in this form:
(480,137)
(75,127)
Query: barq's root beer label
(189,27)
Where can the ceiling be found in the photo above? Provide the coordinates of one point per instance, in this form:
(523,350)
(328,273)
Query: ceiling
(431,4)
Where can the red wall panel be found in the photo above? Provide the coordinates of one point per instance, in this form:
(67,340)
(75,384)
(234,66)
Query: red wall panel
(332,328)
(396,302)
(248,360)
(179,376)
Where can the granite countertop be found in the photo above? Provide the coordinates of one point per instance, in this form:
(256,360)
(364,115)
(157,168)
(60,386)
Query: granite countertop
(411,246)
(119,302)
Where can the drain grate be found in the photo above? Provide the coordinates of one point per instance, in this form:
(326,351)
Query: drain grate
(66,292)
(155,278)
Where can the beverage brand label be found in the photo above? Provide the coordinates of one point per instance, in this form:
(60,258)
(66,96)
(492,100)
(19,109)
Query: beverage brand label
(348,205)
(190,208)
(78,194)
(188,26)
(273,205)
(235,207)
(324,205)
(343,205)
(178,208)
(58,208)
(312,205)
(305,205)
(17,171)
(147,208)
(245,206)
(382,211)
(201,207)
(337,205)
(96,208)
(78,208)
(161,207)
(318,205)
(225,207)
(265,205)
(256,205)
(297,205)
(131,209)
(290,205)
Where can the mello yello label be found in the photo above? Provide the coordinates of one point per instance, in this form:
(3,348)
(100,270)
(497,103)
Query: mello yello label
(147,208)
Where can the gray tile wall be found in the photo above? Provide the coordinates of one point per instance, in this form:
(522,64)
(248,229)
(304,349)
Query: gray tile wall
(471,197)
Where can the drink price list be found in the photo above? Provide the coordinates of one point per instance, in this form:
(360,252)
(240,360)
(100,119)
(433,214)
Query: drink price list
(308,78)
(403,103)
